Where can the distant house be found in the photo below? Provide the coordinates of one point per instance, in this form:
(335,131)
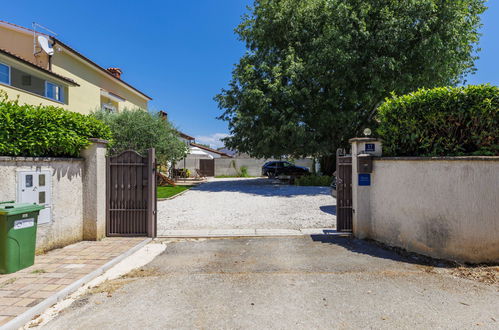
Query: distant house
(213,152)
(39,69)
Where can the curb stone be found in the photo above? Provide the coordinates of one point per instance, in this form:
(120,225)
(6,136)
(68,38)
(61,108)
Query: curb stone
(20,320)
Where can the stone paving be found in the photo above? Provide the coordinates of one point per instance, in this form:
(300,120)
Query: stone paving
(54,271)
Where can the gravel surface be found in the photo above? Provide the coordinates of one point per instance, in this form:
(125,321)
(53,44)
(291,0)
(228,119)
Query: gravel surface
(318,282)
(248,203)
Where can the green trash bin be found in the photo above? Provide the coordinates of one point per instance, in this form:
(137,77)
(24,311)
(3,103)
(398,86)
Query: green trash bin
(18,223)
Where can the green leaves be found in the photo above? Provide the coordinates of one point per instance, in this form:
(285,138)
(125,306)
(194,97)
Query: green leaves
(443,121)
(140,130)
(45,131)
(316,70)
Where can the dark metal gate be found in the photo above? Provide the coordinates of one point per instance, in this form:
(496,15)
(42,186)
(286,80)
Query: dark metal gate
(343,191)
(131,194)
(207,167)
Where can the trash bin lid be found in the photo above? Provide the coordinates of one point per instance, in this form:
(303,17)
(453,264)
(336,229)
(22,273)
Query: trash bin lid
(12,208)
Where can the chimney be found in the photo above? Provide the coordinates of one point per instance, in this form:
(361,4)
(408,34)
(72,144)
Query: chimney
(115,72)
(163,115)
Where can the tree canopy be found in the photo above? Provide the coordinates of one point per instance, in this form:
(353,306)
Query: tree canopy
(140,130)
(316,70)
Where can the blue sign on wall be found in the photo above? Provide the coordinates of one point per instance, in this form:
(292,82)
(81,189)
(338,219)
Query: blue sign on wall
(364,179)
(370,147)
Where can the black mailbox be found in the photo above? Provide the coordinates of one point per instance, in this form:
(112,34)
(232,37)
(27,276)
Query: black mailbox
(365,163)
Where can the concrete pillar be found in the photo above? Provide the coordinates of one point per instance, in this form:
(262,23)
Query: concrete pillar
(94,190)
(361,201)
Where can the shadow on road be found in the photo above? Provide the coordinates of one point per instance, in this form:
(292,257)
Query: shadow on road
(331,209)
(378,250)
(261,187)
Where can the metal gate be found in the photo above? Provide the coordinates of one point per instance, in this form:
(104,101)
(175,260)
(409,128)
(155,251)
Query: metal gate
(343,191)
(131,194)
(207,167)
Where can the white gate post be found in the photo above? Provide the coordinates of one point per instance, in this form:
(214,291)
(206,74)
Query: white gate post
(361,185)
(94,190)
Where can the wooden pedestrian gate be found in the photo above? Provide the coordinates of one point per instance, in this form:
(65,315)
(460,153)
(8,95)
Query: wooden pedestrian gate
(343,191)
(207,167)
(131,194)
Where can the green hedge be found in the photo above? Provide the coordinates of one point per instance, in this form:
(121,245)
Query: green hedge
(314,180)
(45,131)
(447,121)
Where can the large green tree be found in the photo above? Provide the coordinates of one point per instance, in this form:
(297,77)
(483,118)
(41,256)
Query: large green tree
(316,70)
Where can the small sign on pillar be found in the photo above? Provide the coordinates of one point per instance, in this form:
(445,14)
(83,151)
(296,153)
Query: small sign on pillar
(364,179)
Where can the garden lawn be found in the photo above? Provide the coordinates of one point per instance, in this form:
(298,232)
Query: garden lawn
(169,191)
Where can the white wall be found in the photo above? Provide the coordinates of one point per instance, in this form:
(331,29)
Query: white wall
(66,226)
(78,198)
(231,166)
(441,207)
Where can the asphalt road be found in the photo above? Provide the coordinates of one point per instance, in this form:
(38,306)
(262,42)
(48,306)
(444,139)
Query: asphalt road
(285,283)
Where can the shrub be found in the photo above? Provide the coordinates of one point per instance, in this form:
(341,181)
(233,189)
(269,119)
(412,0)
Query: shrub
(314,180)
(447,121)
(45,131)
(243,172)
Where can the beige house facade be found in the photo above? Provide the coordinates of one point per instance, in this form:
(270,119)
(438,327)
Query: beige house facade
(38,68)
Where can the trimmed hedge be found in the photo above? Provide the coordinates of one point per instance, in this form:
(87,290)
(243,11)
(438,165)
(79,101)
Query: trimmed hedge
(45,131)
(314,180)
(446,121)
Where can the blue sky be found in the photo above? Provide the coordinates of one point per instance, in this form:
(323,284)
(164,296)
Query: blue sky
(181,53)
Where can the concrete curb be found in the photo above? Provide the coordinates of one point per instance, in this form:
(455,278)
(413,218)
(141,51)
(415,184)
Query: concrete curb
(208,233)
(20,320)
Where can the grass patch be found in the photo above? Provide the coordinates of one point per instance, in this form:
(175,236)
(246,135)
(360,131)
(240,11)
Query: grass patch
(169,191)
(39,271)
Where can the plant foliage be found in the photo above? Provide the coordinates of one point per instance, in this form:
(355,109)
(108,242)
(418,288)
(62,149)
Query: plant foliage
(140,130)
(45,131)
(314,180)
(316,70)
(443,121)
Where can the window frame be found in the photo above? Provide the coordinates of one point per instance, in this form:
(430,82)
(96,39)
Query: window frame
(109,108)
(61,91)
(8,75)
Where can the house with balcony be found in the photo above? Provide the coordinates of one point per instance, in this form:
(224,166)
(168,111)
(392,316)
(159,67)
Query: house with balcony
(38,68)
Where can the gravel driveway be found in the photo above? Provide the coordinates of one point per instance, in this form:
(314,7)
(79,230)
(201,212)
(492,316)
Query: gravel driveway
(248,203)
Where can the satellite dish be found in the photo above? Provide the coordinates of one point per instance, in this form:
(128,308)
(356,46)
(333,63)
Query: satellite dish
(44,43)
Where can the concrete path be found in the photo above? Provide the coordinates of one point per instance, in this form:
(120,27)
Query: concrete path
(247,204)
(318,282)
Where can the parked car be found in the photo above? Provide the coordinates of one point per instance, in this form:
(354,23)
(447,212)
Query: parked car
(275,168)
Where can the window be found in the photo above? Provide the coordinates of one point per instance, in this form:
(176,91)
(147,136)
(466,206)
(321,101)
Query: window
(109,108)
(53,91)
(4,74)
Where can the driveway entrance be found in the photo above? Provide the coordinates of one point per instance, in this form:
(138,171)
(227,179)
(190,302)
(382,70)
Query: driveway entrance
(248,204)
(318,282)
